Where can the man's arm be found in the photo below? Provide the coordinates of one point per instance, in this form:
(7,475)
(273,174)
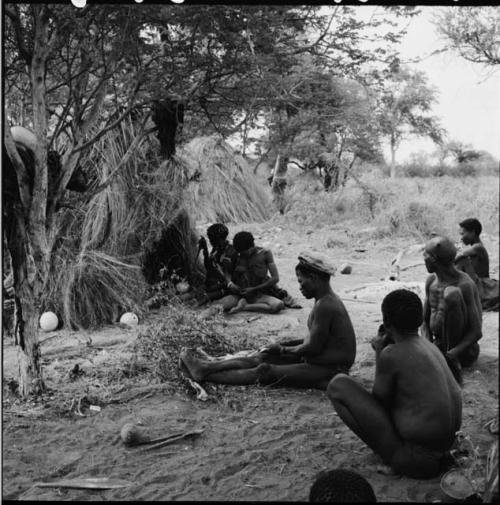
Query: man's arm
(468,252)
(473,331)
(426,328)
(383,387)
(318,334)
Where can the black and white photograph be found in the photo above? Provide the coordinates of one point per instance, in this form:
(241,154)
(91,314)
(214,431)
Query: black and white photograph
(250,252)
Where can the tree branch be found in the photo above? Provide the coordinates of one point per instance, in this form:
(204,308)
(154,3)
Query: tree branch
(22,175)
(14,15)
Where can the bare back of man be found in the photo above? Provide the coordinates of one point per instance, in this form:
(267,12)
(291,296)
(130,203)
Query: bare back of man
(414,410)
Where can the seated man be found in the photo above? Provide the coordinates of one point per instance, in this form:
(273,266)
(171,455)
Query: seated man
(219,264)
(251,284)
(452,309)
(415,407)
(329,348)
(474,261)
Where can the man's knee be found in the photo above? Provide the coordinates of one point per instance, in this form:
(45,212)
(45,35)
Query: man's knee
(265,373)
(337,386)
(276,306)
(228,302)
(469,356)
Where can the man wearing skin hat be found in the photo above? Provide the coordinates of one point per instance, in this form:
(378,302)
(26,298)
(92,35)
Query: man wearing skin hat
(329,347)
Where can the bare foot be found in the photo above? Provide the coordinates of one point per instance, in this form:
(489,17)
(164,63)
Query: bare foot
(193,364)
(385,470)
(241,306)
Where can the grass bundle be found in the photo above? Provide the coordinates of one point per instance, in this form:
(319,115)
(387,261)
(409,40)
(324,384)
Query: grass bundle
(98,288)
(160,345)
(222,186)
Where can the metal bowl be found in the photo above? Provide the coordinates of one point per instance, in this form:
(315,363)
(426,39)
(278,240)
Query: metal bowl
(456,485)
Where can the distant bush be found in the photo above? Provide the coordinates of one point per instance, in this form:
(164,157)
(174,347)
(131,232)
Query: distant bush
(483,166)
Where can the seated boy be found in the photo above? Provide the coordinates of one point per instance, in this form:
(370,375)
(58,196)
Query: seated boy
(415,407)
(329,348)
(474,261)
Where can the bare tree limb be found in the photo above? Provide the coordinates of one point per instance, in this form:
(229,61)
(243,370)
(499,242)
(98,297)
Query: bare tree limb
(22,174)
(40,180)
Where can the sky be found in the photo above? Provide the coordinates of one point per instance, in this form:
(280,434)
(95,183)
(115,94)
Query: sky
(468,93)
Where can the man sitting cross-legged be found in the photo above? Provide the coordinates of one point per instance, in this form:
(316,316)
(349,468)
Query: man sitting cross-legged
(474,261)
(329,348)
(452,309)
(415,408)
(255,273)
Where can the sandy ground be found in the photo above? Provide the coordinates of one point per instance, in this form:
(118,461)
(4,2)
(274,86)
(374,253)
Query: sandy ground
(258,443)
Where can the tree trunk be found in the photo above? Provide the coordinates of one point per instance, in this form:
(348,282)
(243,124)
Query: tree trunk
(393,158)
(28,348)
(167,115)
(279,183)
(27,303)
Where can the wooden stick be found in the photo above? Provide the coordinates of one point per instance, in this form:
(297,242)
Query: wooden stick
(357,300)
(412,266)
(171,440)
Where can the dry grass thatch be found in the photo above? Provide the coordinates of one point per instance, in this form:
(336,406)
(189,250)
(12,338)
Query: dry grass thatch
(96,273)
(98,288)
(223,187)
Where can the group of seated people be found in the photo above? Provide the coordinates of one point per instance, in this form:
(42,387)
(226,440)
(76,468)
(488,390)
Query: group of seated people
(242,275)
(414,410)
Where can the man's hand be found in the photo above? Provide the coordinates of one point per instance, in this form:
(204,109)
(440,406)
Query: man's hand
(381,340)
(272,349)
(248,291)
(202,243)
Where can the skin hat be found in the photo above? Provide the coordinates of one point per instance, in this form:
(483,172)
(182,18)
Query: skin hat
(316,263)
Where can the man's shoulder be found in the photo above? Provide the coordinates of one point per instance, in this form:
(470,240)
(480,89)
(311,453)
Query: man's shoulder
(479,248)
(262,253)
(465,281)
(262,250)
(329,303)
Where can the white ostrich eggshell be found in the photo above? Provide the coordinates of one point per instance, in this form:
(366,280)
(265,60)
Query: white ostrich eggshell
(48,321)
(129,318)
(182,287)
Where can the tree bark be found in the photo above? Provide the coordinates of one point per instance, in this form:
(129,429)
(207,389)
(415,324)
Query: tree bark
(393,158)
(27,305)
(26,227)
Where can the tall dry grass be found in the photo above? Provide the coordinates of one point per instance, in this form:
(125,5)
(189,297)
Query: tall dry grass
(414,206)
